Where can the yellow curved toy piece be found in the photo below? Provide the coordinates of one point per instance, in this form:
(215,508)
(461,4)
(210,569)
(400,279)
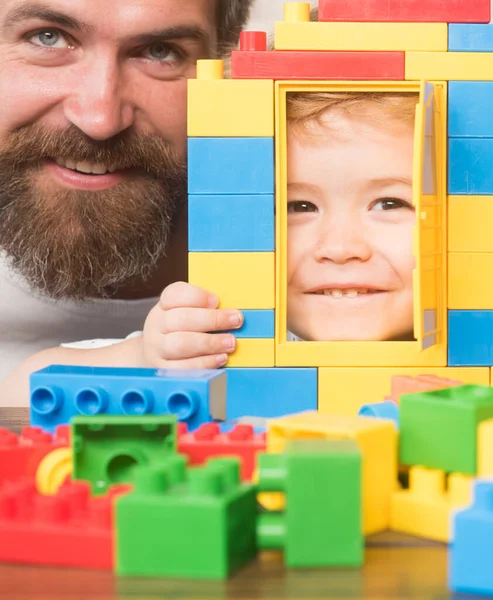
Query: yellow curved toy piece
(269,500)
(53,470)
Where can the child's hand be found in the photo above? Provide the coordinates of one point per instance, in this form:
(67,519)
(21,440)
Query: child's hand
(177,332)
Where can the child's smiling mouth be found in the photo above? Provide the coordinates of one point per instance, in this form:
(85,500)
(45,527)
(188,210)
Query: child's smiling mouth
(347,292)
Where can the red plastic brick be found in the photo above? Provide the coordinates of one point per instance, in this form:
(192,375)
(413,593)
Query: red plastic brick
(70,529)
(407,11)
(208,441)
(402,384)
(21,455)
(287,64)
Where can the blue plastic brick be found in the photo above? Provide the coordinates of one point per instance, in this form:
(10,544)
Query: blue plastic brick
(231,223)
(257,324)
(381,410)
(469,112)
(470,166)
(58,393)
(470,338)
(470,555)
(231,165)
(464,37)
(270,392)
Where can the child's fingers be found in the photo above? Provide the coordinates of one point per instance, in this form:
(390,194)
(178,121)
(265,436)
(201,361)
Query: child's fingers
(183,294)
(201,319)
(200,362)
(182,345)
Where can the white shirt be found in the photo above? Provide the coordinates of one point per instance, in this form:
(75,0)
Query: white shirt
(30,322)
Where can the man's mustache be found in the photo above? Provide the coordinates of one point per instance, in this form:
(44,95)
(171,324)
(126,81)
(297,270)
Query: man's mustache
(32,144)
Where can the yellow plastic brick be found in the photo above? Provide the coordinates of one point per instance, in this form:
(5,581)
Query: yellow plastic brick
(243,280)
(253,353)
(229,107)
(344,390)
(458,66)
(377,440)
(469,286)
(53,470)
(470,223)
(419,37)
(425,509)
(485,448)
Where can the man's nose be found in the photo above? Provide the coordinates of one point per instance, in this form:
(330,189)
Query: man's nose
(97,105)
(342,240)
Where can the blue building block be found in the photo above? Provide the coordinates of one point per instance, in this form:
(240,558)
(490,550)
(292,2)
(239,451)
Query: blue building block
(270,392)
(382,410)
(468,37)
(470,338)
(469,109)
(470,166)
(257,324)
(231,165)
(226,223)
(470,555)
(60,392)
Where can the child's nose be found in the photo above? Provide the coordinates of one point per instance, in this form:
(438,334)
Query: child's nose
(341,242)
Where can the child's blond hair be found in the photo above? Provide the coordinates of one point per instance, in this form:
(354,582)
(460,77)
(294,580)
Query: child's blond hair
(304,109)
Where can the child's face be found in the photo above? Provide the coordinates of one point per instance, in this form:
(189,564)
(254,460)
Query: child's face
(350,221)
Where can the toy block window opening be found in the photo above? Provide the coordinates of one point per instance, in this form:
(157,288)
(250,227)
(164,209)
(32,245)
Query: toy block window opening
(360,224)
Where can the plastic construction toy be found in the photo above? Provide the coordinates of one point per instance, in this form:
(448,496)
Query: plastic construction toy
(208,441)
(439,428)
(70,529)
(20,455)
(106,449)
(59,393)
(470,553)
(321,524)
(191,523)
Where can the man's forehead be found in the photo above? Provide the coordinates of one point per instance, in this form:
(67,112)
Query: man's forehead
(122,18)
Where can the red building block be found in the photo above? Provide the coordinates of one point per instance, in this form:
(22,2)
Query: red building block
(20,455)
(253,61)
(208,441)
(70,529)
(402,384)
(417,11)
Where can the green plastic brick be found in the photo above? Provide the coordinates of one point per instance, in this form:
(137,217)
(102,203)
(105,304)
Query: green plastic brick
(106,448)
(438,428)
(186,523)
(322,523)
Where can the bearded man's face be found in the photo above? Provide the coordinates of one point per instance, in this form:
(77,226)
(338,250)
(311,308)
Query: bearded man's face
(93,136)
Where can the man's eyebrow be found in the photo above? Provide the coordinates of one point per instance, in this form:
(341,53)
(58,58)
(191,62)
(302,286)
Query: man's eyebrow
(180,32)
(26,12)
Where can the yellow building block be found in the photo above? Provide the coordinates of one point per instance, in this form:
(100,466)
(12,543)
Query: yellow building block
(240,279)
(459,66)
(53,471)
(470,286)
(253,353)
(425,509)
(297,33)
(220,107)
(470,223)
(377,440)
(344,390)
(485,448)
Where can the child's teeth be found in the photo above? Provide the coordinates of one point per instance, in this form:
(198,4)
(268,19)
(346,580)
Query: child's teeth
(351,293)
(337,293)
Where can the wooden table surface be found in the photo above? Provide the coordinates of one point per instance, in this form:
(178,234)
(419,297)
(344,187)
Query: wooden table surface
(396,567)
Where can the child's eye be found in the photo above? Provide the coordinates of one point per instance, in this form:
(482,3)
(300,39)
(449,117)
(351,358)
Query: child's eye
(391,204)
(301,206)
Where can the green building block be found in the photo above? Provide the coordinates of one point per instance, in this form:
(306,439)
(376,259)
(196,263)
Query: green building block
(321,525)
(107,448)
(438,428)
(186,523)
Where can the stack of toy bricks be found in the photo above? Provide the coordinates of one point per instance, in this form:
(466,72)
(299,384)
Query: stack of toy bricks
(232,232)
(232,140)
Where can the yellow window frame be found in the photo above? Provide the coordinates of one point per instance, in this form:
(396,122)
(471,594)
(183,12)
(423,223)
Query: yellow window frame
(429,239)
